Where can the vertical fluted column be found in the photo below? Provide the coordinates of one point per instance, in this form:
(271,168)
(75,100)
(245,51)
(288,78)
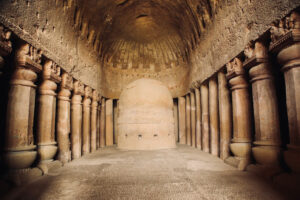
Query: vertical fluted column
(102,124)
(286,44)
(225,116)
(198,119)
(76,120)
(193,118)
(181,116)
(47,112)
(109,128)
(205,117)
(19,149)
(63,127)
(266,116)
(175,110)
(214,116)
(86,120)
(188,119)
(94,121)
(242,119)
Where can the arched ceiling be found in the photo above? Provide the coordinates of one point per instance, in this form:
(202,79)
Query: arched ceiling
(143,34)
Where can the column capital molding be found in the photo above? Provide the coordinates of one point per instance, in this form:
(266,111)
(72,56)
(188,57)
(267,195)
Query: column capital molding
(66,81)
(255,53)
(234,68)
(78,88)
(285,32)
(87,92)
(28,57)
(51,71)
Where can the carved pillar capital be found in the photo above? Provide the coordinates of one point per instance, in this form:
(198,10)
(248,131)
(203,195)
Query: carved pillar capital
(87,96)
(50,78)
(236,74)
(95,99)
(66,86)
(27,59)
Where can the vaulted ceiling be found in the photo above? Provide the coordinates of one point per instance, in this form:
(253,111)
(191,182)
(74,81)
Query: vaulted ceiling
(144,34)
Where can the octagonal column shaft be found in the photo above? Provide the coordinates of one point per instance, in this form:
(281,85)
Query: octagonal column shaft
(76,120)
(286,44)
(181,118)
(188,120)
(109,128)
(98,123)
(175,110)
(86,135)
(47,112)
(214,116)
(94,121)
(19,149)
(193,118)
(242,119)
(266,116)
(205,117)
(102,124)
(63,126)
(198,119)
(225,116)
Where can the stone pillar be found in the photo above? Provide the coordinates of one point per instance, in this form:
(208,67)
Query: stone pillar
(94,121)
(63,127)
(109,127)
(225,116)
(181,116)
(86,120)
(193,118)
(242,119)
(286,44)
(205,117)
(19,149)
(175,110)
(188,120)
(47,112)
(266,116)
(198,119)
(102,124)
(115,116)
(214,116)
(76,120)
(98,122)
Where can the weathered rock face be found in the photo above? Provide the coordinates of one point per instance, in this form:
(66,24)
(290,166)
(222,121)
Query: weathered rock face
(146,118)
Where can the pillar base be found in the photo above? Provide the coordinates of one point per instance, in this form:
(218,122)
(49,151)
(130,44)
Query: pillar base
(20,158)
(292,158)
(23,176)
(64,157)
(268,155)
(242,152)
(47,166)
(47,152)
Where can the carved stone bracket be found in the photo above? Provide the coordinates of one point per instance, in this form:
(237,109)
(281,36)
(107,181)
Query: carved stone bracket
(255,53)
(5,43)
(285,32)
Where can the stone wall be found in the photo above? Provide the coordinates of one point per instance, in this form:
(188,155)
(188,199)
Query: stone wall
(50,26)
(235,24)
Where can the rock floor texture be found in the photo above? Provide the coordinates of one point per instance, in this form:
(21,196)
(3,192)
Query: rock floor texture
(181,173)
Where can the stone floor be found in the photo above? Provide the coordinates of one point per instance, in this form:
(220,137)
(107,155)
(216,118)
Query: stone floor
(181,173)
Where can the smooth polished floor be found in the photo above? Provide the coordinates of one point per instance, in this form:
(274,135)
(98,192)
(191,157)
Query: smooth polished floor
(181,173)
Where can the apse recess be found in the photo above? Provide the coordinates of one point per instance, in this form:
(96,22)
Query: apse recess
(144,39)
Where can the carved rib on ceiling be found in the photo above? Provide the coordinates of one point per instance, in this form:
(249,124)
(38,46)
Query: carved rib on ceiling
(148,34)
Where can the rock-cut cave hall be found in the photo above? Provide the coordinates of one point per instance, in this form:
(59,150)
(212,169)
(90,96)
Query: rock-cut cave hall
(150,99)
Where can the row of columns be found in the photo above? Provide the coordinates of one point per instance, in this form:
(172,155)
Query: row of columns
(217,115)
(72,119)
